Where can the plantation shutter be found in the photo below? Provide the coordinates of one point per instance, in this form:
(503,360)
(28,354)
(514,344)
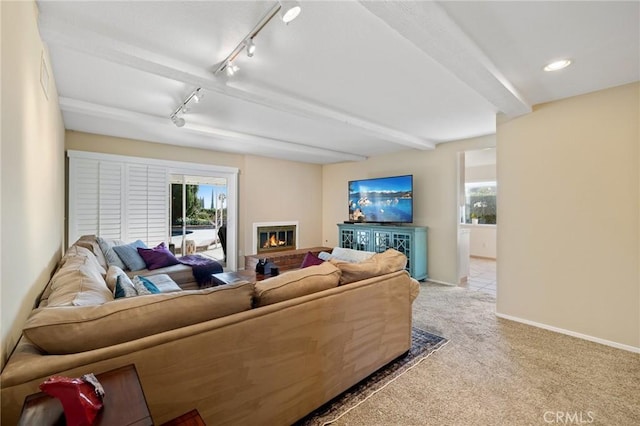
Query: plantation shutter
(110,200)
(115,199)
(146,204)
(84,203)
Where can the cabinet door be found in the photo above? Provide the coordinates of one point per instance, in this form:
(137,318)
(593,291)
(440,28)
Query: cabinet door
(402,243)
(381,241)
(362,239)
(347,238)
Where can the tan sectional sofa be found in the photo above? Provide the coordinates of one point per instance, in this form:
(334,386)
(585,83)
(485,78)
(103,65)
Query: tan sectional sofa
(267,353)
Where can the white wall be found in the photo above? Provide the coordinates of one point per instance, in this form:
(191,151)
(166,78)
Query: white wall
(483,240)
(32,170)
(571,169)
(435,197)
(480,173)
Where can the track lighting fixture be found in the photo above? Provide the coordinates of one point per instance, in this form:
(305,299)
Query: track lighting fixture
(194,96)
(289,10)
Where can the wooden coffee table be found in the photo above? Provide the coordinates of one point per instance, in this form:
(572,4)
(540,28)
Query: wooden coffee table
(234,277)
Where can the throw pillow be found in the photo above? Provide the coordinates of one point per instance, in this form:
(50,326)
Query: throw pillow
(140,288)
(310,259)
(157,257)
(350,255)
(112,277)
(124,287)
(106,245)
(144,286)
(128,253)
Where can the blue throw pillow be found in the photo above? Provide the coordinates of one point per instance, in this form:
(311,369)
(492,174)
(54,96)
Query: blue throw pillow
(149,285)
(124,287)
(128,253)
(107,249)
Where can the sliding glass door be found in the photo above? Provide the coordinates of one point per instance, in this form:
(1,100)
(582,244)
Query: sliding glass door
(198,215)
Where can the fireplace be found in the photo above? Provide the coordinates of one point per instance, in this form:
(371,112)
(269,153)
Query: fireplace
(271,238)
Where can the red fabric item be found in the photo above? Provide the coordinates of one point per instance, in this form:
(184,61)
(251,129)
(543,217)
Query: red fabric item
(78,398)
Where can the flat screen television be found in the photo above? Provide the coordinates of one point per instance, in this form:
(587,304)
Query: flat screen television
(381,200)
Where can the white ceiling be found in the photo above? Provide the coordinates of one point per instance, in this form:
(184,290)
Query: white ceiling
(344,81)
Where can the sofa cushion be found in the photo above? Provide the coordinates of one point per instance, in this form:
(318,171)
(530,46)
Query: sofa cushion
(78,251)
(157,257)
(379,264)
(90,242)
(163,282)
(179,273)
(107,245)
(128,253)
(296,283)
(67,330)
(78,283)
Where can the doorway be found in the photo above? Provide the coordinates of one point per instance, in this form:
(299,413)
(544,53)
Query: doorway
(477,220)
(198,215)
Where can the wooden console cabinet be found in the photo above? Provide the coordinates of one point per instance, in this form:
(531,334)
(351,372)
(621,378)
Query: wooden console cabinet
(410,240)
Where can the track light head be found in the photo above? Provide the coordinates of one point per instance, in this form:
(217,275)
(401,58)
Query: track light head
(178,121)
(232,69)
(251,47)
(289,10)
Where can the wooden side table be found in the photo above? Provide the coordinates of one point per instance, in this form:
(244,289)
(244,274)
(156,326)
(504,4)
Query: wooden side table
(123,404)
(192,418)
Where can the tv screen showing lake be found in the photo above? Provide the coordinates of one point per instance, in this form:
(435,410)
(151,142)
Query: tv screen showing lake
(381,200)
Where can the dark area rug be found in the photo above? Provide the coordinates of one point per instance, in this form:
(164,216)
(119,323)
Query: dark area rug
(422,345)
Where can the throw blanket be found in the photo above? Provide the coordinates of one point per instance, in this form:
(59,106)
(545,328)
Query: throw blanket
(202,267)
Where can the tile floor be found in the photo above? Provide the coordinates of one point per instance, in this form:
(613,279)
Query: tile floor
(482,275)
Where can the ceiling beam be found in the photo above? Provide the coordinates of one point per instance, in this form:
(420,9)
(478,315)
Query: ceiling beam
(102,111)
(428,27)
(59,32)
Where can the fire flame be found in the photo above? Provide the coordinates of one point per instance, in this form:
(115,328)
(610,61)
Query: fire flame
(273,242)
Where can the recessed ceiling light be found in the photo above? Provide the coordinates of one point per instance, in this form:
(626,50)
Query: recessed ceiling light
(557,65)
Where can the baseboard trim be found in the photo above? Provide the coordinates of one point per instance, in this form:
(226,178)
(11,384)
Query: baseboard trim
(483,257)
(442,282)
(571,333)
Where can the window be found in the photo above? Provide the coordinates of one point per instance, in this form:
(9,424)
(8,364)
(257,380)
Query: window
(480,202)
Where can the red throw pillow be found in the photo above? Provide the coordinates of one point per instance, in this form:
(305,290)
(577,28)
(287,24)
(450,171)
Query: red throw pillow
(157,257)
(310,259)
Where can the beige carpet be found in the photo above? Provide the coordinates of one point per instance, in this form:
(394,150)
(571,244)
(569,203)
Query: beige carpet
(498,372)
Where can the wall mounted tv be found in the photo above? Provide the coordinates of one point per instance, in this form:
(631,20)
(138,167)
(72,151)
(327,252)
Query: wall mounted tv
(381,200)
